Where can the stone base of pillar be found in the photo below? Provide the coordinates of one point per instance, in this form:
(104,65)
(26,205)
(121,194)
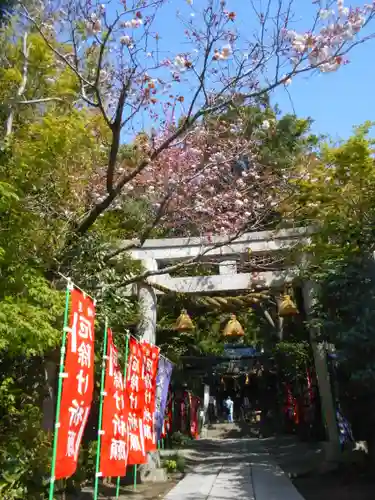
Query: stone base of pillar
(152,472)
(153,476)
(331,451)
(331,458)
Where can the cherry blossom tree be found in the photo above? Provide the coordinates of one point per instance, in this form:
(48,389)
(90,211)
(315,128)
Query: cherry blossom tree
(126,70)
(210,181)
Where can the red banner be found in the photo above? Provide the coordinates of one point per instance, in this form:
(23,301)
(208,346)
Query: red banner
(309,386)
(150,368)
(114,439)
(135,403)
(291,407)
(182,416)
(167,423)
(169,413)
(194,402)
(78,384)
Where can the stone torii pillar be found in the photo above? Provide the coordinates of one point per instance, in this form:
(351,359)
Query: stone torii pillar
(152,470)
(324,383)
(147,301)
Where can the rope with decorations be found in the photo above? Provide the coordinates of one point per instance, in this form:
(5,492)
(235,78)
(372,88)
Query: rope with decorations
(241,301)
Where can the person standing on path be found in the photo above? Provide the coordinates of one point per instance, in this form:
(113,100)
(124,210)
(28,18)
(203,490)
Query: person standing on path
(229,406)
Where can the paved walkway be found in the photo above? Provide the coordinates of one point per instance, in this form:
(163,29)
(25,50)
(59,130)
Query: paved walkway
(239,469)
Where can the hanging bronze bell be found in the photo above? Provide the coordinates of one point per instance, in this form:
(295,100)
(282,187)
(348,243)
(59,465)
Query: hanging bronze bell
(184,322)
(233,328)
(287,307)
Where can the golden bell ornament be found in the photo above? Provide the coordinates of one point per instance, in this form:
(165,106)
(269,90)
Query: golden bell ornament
(287,307)
(184,322)
(233,328)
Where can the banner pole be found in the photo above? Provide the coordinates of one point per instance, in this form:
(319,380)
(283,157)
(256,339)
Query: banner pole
(135,477)
(104,357)
(127,337)
(69,287)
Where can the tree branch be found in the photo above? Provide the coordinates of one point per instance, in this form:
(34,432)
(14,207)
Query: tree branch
(186,263)
(116,132)
(22,87)
(37,101)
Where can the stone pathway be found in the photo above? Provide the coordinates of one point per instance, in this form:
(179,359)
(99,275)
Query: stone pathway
(239,469)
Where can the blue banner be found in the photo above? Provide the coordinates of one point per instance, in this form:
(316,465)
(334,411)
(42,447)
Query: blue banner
(239,352)
(163,378)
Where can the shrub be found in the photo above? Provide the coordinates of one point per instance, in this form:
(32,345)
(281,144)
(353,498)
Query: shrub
(179,440)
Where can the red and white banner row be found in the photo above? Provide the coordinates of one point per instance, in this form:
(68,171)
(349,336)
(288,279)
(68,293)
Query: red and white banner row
(127,431)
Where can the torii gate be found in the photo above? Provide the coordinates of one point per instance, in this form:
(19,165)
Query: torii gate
(154,252)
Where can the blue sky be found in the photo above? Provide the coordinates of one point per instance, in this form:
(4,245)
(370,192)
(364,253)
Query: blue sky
(335,101)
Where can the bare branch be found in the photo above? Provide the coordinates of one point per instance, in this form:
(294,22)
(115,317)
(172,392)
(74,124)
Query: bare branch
(39,101)
(116,131)
(182,265)
(22,87)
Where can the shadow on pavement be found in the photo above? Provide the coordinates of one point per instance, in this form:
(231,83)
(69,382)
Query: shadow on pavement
(230,463)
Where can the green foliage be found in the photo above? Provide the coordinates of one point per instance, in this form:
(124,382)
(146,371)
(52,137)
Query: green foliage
(170,465)
(181,463)
(175,463)
(45,78)
(335,189)
(25,449)
(338,194)
(46,167)
(283,142)
(292,358)
(179,440)
(30,321)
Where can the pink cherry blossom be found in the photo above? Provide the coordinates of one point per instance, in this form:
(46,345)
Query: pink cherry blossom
(199,186)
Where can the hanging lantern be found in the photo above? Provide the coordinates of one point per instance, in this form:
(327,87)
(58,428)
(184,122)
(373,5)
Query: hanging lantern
(247,381)
(287,307)
(233,328)
(184,322)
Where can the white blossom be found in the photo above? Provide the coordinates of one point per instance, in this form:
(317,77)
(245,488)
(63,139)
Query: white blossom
(326,14)
(126,40)
(180,63)
(226,52)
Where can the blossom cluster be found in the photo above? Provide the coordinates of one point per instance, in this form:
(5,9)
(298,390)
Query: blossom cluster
(210,180)
(324,47)
(133,46)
